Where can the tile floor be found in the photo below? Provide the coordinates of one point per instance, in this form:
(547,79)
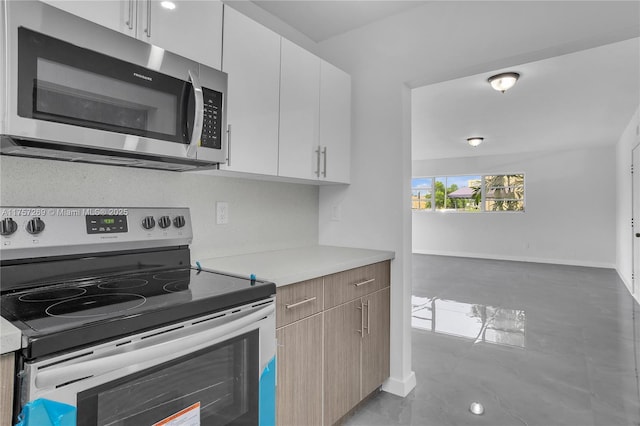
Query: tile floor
(536,344)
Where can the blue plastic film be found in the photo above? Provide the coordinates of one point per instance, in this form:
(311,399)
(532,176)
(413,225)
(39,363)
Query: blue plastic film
(44,412)
(267,410)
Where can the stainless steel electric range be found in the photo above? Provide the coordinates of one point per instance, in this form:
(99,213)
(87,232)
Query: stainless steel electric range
(118,325)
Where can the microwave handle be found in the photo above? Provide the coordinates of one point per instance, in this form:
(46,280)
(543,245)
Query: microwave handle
(56,375)
(198,116)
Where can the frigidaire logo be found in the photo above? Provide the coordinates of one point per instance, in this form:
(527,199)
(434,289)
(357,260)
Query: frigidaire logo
(143,76)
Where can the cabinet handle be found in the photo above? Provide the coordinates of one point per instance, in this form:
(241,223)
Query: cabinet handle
(361,309)
(148,29)
(229,145)
(368,317)
(317,151)
(302,302)
(365,282)
(129,20)
(324,153)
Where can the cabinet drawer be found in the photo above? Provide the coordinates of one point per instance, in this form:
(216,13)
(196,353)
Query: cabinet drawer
(297,301)
(348,285)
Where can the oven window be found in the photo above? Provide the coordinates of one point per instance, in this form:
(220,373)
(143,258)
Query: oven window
(222,380)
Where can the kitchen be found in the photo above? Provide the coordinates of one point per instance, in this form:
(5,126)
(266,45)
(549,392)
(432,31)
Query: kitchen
(269,215)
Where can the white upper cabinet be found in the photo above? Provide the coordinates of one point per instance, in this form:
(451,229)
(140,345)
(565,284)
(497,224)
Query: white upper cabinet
(335,124)
(252,61)
(117,15)
(192,29)
(299,113)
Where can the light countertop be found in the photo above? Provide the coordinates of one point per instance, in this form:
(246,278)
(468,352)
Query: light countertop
(9,337)
(294,265)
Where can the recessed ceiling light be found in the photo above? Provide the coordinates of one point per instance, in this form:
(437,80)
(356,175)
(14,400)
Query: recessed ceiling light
(475,141)
(504,81)
(168,5)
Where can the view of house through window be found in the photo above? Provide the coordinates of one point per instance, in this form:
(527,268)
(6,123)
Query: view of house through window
(468,193)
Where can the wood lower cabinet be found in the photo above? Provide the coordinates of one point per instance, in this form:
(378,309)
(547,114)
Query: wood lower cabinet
(299,387)
(6,388)
(342,359)
(333,344)
(375,341)
(356,352)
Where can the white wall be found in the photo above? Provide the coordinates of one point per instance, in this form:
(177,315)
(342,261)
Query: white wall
(262,215)
(624,242)
(568,218)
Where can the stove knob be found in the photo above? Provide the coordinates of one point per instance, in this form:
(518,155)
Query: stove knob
(179,221)
(164,222)
(8,226)
(35,226)
(148,222)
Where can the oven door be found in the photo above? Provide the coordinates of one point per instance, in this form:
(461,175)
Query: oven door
(207,371)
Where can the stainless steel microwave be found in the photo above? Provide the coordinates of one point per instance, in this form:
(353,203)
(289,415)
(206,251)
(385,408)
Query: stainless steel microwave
(74,90)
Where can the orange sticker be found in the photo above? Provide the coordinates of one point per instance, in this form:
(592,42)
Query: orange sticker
(190,416)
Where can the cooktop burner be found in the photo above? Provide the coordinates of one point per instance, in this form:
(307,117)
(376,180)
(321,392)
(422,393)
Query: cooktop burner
(126,283)
(52,295)
(95,306)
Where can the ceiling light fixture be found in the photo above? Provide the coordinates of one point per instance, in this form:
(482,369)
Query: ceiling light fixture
(475,141)
(168,5)
(503,82)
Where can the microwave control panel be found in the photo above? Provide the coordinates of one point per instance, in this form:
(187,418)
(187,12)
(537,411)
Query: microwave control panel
(211,128)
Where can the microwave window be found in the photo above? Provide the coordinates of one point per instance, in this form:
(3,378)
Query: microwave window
(65,92)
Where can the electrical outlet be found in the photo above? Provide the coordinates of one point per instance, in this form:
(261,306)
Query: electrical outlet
(222,212)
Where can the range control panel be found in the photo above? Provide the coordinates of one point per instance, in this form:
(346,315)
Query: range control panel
(27,232)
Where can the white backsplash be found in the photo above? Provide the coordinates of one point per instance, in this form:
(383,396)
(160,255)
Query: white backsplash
(262,215)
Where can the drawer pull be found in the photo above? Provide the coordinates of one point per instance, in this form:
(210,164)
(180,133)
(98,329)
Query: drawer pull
(365,282)
(302,302)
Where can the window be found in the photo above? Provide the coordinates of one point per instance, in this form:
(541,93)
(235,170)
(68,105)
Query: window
(469,193)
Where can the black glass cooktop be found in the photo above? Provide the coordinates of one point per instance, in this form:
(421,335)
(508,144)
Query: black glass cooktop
(82,311)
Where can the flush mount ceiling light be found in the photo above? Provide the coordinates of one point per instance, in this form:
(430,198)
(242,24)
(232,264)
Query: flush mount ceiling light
(475,141)
(503,82)
(168,5)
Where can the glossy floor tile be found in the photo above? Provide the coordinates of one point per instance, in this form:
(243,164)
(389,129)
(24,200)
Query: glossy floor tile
(535,344)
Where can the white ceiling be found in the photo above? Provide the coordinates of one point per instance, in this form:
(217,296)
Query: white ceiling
(446,50)
(581,99)
(322,19)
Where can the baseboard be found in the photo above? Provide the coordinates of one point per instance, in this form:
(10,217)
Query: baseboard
(588,264)
(400,387)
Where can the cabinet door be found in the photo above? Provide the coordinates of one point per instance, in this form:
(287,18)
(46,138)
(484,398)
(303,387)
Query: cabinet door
(118,15)
(6,388)
(335,123)
(299,112)
(193,29)
(299,386)
(252,60)
(342,338)
(375,341)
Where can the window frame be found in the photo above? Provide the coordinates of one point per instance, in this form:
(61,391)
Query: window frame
(483,190)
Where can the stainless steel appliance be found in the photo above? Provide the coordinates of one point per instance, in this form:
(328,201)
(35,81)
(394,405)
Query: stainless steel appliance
(116,323)
(73,90)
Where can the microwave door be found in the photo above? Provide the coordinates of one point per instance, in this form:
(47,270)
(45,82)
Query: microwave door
(65,84)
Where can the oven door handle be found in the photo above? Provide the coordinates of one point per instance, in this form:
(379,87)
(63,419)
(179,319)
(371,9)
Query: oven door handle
(64,374)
